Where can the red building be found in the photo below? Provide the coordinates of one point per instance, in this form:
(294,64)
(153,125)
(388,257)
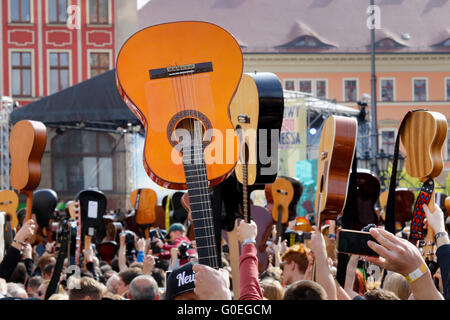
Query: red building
(49,45)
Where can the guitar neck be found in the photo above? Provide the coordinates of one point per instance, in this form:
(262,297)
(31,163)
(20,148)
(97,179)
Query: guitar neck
(202,218)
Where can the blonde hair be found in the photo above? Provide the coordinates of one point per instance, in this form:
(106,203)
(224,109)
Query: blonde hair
(273,290)
(59,296)
(397,284)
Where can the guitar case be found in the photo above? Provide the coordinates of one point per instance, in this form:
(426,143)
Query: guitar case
(92,208)
(44,204)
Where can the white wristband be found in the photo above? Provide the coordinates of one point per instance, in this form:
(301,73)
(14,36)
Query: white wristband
(416,274)
(249,240)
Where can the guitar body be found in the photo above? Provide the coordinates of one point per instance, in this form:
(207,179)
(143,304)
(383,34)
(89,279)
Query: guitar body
(368,191)
(336,152)
(423,136)
(26,146)
(8,204)
(146,208)
(171,75)
(257,108)
(404,201)
(44,204)
(282,193)
(92,209)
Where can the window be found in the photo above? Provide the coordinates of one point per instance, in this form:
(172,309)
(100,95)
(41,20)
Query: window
(305,86)
(81,160)
(387,89)
(57,11)
(447,87)
(420,89)
(21,74)
(321,89)
(99,63)
(289,85)
(388,43)
(20,11)
(99,11)
(388,141)
(350,90)
(59,71)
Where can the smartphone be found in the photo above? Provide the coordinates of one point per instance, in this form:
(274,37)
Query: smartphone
(355,242)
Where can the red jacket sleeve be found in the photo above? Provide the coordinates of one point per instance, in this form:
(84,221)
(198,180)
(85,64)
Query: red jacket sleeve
(248,269)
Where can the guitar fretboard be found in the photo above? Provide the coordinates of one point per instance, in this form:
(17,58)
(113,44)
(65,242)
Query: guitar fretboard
(202,218)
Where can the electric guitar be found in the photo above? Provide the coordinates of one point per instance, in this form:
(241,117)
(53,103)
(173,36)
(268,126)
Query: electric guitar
(423,136)
(179,79)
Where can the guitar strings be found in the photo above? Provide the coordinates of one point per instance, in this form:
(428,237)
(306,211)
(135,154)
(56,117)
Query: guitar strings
(205,202)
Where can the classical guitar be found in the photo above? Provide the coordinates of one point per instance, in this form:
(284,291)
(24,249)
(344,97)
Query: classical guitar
(423,135)
(26,146)
(144,202)
(44,204)
(179,79)
(282,193)
(336,154)
(404,201)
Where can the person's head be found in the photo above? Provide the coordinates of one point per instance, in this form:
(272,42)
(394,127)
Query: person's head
(272,289)
(397,284)
(180,283)
(294,263)
(305,290)
(113,283)
(143,287)
(160,276)
(46,259)
(17,290)
(19,274)
(176,230)
(84,288)
(48,271)
(33,286)
(380,294)
(272,273)
(42,289)
(59,296)
(126,277)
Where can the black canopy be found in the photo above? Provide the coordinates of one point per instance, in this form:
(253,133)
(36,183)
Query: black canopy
(95,102)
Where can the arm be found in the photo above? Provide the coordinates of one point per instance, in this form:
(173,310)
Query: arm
(121,254)
(90,266)
(400,255)
(148,264)
(323,272)
(340,292)
(248,263)
(140,247)
(28,259)
(14,253)
(435,220)
(350,276)
(174,261)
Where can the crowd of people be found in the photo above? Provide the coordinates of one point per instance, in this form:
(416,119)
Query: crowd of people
(302,271)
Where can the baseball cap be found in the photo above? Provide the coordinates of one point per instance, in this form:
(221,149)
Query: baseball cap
(180,280)
(176,227)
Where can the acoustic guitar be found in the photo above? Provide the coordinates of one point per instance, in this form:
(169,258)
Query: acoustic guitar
(26,146)
(423,136)
(367,194)
(179,79)
(8,204)
(404,201)
(336,154)
(144,203)
(282,193)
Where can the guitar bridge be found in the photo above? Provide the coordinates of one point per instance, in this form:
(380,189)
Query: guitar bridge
(181,70)
(243,118)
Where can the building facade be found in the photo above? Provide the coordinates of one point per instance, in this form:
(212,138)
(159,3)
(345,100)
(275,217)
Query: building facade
(50,45)
(323,47)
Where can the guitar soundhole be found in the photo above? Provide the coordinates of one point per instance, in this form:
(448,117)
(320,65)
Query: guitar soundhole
(183,125)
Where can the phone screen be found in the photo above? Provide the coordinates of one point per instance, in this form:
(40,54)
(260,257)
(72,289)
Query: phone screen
(355,242)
